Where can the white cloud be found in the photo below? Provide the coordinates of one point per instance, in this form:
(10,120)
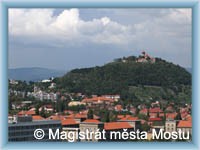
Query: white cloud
(159,30)
(66,26)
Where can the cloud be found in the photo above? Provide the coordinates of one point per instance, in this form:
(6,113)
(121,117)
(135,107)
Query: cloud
(66,26)
(163,32)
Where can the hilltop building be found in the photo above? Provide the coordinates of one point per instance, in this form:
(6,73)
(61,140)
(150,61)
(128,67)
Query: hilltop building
(145,58)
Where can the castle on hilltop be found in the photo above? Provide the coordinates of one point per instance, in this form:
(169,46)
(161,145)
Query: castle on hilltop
(145,58)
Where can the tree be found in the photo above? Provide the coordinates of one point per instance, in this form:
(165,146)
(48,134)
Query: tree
(164,117)
(42,113)
(178,116)
(157,114)
(145,127)
(142,116)
(10,104)
(37,110)
(90,114)
(107,116)
(148,113)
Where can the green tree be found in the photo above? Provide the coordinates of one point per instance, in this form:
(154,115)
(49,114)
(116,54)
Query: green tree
(37,110)
(42,113)
(142,116)
(90,114)
(145,127)
(107,116)
(178,116)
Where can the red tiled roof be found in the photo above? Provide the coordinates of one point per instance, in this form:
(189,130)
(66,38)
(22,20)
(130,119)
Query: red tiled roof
(118,107)
(70,116)
(56,117)
(184,115)
(189,118)
(184,124)
(123,116)
(80,116)
(129,118)
(68,122)
(91,121)
(153,115)
(117,125)
(21,112)
(37,117)
(32,112)
(155,110)
(77,116)
(155,119)
(171,115)
(144,110)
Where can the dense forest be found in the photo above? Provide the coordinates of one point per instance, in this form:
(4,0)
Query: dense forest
(118,77)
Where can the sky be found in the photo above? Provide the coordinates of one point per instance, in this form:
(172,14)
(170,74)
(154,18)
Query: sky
(65,39)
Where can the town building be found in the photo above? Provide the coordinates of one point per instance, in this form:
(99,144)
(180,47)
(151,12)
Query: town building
(185,126)
(70,125)
(170,125)
(92,125)
(116,127)
(134,122)
(145,58)
(99,102)
(23,129)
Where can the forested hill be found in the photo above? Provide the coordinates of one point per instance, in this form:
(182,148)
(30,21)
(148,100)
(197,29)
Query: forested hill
(118,76)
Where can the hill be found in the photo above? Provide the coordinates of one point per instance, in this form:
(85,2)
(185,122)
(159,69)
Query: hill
(189,70)
(119,76)
(33,74)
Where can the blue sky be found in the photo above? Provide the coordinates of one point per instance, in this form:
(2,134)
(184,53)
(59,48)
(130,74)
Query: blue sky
(74,38)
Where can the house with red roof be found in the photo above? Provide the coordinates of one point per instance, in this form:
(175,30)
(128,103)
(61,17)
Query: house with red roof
(27,113)
(80,117)
(155,110)
(70,125)
(185,126)
(123,116)
(92,125)
(99,102)
(115,97)
(171,115)
(113,126)
(56,117)
(37,118)
(133,121)
(118,107)
(143,111)
(155,119)
(116,127)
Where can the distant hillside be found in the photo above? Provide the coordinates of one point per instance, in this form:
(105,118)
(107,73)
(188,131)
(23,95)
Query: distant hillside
(189,70)
(33,74)
(119,76)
